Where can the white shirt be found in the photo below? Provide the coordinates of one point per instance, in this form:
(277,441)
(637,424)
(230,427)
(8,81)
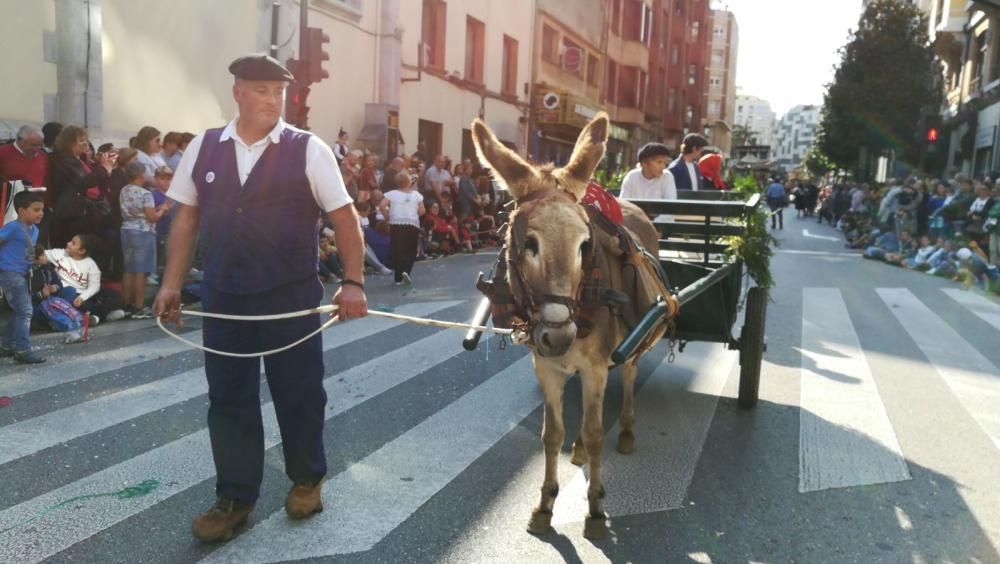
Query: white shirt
(83,275)
(321,167)
(638,187)
(403,207)
(693,175)
(435,174)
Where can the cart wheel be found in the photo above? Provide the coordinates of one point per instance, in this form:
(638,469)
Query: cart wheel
(752,346)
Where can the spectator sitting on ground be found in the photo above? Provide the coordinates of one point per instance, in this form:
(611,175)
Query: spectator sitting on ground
(44,283)
(81,280)
(908,247)
(885,243)
(981,272)
(921,260)
(330,269)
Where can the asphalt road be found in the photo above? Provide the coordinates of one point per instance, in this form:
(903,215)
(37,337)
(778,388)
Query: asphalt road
(875,438)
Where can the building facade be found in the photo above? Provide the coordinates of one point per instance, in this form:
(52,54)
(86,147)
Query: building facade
(795,135)
(462,59)
(721,109)
(82,63)
(756,114)
(567,78)
(966,39)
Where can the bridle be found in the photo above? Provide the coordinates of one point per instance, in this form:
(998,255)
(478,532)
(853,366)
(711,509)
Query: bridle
(528,303)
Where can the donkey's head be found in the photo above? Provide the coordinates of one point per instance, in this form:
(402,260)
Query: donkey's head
(550,234)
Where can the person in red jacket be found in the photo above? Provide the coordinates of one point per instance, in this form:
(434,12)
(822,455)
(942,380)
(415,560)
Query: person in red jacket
(710,167)
(23,160)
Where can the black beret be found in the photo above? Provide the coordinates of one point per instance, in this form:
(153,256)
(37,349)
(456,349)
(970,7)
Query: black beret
(260,67)
(650,150)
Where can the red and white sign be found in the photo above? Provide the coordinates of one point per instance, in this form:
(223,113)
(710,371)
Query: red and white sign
(572,59)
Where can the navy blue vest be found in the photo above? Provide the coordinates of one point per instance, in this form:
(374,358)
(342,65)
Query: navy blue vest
(263,234)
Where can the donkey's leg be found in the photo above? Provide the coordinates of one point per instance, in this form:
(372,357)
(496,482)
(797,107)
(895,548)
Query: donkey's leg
(594,382)
(552,383)
(626,438)
(579,451)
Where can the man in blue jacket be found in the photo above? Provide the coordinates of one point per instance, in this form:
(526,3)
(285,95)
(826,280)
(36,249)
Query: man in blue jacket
(685,168)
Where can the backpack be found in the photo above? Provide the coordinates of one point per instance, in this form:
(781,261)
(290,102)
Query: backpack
(60,314)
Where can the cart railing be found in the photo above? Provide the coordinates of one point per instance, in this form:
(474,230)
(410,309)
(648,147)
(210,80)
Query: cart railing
(700,220)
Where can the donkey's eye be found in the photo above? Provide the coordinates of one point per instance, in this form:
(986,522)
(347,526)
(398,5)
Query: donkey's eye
(531,244)
(585,247)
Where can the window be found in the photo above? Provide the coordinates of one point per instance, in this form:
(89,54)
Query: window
(714,107)
(715,82)
(675,53)
(616,16)
(692,74)
(434,18)
(574,58)
(642,90)
(593,67)
(509,80)
(982,46)
(610,82)
(629,88)
(717,58)
(695,29)
(429,133)
(550,45)
(633,20)
(719,31)
(672,101)
(664,28)
(475,49)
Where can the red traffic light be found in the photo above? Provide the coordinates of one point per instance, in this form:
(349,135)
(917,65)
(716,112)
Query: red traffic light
(932,135)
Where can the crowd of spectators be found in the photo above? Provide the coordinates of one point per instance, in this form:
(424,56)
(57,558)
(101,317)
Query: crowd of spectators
(105,216)
(945,228)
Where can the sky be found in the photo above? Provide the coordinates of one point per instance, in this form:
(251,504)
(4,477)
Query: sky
(788,48)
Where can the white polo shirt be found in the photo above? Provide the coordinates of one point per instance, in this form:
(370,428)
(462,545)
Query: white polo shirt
(321,167)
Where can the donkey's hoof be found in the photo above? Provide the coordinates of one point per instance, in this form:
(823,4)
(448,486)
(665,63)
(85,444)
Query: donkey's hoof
(595,528)
(580,456)
(541,522)
(626,443)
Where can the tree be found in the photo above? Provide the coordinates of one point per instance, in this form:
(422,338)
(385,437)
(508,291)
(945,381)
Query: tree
(886,77)
(743,135)
(817,163)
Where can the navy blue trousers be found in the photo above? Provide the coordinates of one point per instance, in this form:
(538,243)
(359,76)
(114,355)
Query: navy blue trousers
(295,378)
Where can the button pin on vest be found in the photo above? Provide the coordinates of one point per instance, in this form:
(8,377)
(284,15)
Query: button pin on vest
(239,210)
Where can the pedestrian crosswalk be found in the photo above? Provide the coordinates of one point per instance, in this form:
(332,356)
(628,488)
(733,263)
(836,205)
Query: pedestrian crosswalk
(846,436)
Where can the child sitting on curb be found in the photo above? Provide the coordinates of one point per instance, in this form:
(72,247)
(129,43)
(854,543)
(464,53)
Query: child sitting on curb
(81,280)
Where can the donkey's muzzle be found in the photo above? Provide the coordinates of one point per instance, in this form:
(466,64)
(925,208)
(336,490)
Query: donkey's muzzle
(556,331)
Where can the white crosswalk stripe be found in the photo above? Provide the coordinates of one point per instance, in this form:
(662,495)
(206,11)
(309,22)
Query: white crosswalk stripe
(674,409)
(973,379)
(845,436)
(52,374)
(377,494)
(38,433)
(185,462)
(983,308)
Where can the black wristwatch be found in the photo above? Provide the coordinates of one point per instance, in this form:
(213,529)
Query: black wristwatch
(349,282)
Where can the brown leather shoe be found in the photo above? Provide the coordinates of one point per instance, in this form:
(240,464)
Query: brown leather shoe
(303,500)
(220,522)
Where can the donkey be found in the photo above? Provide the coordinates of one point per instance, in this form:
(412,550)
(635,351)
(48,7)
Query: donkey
(551,238)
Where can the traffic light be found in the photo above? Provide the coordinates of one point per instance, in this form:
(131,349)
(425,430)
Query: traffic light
(932,132)
(314,55)
(296,105)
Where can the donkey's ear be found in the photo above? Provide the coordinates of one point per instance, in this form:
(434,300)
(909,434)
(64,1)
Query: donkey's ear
(509,167)
(589,150)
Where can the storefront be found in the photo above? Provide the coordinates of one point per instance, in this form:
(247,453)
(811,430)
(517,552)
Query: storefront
(559,118)
(986,156)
